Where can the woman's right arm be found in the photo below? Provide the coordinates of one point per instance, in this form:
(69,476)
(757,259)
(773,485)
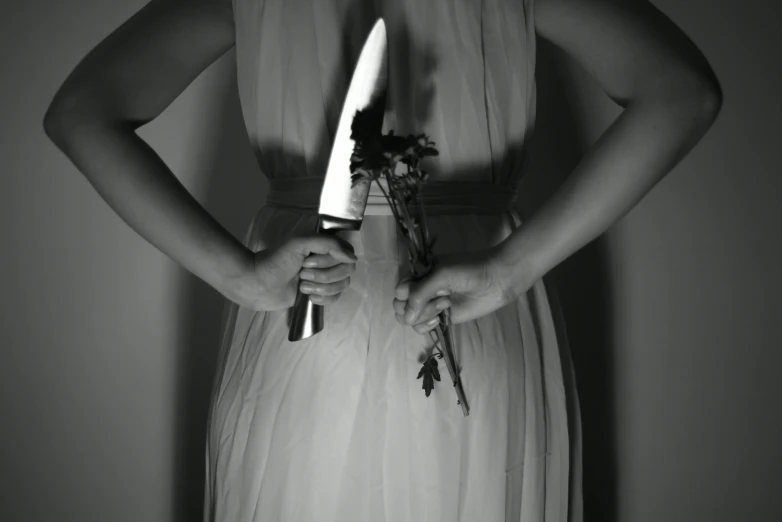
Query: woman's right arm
(126,81)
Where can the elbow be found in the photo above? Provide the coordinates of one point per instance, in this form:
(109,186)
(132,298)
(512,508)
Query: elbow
(70,111)
(698,103)
(712,101)
(58,120)
(702,90)
(693,97)
(707,94)
(53,124)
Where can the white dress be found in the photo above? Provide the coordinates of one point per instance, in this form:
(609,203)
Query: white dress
(336,428)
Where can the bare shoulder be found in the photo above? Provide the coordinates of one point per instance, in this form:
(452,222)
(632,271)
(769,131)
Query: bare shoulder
(628,45)
(144,64)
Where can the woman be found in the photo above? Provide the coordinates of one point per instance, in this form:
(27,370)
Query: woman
(336,427)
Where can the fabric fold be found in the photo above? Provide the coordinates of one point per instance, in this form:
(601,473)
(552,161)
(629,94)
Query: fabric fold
(336,427)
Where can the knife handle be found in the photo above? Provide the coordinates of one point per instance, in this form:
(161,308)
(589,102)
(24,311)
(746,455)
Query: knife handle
(306,316)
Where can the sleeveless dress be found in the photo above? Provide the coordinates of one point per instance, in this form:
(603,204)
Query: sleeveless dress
(336,427)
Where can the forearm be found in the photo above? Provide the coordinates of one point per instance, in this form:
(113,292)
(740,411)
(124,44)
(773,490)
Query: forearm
(143,191)
(645,142)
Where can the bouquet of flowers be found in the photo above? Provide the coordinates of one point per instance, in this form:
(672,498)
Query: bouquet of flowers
(377,155)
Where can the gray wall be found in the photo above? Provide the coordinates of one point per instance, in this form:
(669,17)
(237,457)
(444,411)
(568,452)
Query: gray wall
(107,345)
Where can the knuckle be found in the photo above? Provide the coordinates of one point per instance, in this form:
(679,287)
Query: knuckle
(447,273)
(416,300)
(336,274)
(337,287)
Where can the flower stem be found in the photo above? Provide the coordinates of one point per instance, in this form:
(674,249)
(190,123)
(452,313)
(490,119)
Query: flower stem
(375,159)
(390,200)
(442,335)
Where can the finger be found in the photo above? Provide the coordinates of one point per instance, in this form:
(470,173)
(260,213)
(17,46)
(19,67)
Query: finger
(328,275)
(424,291)
(324,299)
(431,310)
(334,246)
(319,261)
(402,290)
(324,289)
(426,326)
(399,307)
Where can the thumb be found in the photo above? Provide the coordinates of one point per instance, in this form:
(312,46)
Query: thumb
(334,246)
(424,290)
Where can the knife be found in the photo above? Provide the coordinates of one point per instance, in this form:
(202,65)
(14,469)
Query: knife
(342,206)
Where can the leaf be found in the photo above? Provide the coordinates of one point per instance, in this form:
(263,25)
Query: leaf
(429,372)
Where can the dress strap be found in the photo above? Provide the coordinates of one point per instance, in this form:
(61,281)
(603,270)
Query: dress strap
(302,194)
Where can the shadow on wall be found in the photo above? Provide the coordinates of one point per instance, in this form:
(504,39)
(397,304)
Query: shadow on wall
(237,189)
(582,281)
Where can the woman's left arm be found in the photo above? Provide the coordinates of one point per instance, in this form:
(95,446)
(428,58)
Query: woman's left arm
(670,97)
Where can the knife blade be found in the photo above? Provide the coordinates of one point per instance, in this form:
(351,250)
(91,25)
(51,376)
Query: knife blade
(342,206)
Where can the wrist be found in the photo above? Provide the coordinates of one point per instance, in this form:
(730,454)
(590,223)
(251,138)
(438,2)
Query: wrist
(516,259)
(233,270)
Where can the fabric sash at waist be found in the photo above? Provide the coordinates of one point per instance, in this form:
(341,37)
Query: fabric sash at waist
(302,194)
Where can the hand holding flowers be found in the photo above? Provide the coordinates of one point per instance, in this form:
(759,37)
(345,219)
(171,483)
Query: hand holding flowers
(472,284)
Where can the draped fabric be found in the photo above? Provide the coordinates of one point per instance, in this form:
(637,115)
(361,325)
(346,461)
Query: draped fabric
(336,427)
